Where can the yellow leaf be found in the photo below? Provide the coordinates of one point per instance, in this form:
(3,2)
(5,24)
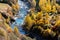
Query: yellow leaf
(16,30)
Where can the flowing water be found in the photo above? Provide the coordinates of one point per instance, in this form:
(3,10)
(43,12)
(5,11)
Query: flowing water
(22,13)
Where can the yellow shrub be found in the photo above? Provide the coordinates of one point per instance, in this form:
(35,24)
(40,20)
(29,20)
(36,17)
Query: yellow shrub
(49,32)
(57,23)
(54,9)
(48,8)
(47,16)
(15,6)
(33,15)
(45,5)
(47,19)
(48,1)
(40,21)
(16,30)
(29,21)
(42,2)
(54,1)
(39,15)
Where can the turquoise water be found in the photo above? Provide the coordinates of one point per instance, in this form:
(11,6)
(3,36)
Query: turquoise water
(22,13)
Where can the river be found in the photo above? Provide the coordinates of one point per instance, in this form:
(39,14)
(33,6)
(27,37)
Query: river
(22,13)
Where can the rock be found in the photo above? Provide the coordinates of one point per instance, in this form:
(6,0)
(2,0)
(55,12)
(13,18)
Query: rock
(9,1)
(7,14)
(32,2)
(3,34)
(6,9)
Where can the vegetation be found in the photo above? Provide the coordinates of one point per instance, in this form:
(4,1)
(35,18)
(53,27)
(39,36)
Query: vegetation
(46,21)
(16,31)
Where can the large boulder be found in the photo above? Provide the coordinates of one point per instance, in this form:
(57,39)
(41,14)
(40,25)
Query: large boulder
(6,9)
(6,12)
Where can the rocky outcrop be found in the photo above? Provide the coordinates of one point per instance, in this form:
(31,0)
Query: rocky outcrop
(11,35)
(6,17)
(8,10)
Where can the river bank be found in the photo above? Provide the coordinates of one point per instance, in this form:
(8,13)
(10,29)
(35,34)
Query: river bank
(8,12)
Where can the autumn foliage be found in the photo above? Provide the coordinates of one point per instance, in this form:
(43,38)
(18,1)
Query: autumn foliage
(46,21)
